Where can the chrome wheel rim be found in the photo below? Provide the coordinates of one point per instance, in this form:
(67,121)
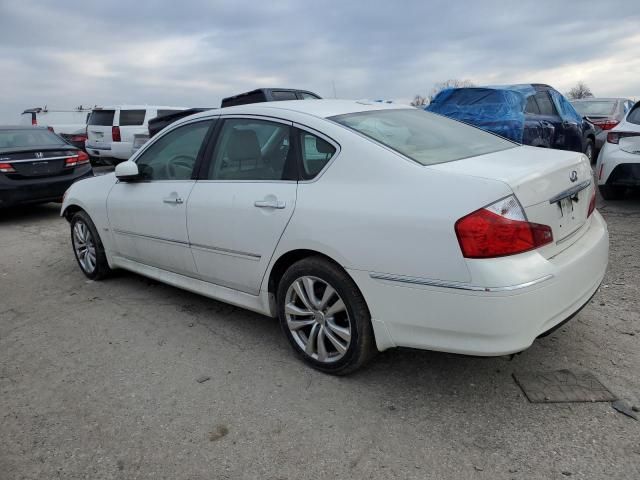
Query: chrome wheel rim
(317,319)
(84,247)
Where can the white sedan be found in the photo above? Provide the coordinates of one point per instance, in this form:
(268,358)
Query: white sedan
(618,166)
(362,226)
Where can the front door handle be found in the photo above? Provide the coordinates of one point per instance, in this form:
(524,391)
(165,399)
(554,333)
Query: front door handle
(269,204)
(173,200)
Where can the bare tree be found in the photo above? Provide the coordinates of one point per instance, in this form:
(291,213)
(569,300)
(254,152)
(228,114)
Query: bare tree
(419,101)
(451,83)
(581,90)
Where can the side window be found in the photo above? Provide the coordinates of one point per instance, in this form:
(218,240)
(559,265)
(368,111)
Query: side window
(316,152)
(131,117)
(249,149)
(282,95)
(307,96)
(173,156)
(544,104)
(532,106)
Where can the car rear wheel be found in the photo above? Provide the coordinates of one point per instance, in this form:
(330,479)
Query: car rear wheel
(87,247)
(611,192)
(590,150)
(325,317)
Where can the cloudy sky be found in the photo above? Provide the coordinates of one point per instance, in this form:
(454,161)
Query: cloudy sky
(194,52)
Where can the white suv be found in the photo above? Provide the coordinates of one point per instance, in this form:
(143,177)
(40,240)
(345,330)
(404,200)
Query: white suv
(110,130)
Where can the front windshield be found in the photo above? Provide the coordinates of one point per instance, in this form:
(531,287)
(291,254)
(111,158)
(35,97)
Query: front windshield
(422,136)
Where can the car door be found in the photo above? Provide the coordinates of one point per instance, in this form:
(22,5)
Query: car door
(148,217)
(539,131)
(567,121)
(242,201)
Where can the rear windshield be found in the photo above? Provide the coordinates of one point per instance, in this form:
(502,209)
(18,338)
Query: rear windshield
(29,138)
(634,114)
(422,136)
(131,117)
(590,108)
(101,118)
(283,95)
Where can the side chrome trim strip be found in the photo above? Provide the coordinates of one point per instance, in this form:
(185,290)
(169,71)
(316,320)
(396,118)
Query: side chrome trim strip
(455,285)
(224,251)
(570,192)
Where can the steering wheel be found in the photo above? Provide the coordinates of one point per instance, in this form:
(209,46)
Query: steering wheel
(180,167)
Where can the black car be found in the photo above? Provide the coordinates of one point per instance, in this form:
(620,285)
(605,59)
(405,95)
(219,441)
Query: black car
(37,166)
(268,95)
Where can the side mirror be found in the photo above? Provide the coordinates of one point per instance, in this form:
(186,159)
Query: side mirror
(127,172)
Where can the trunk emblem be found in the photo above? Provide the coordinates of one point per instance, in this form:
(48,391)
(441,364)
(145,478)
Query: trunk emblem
(39,154)
(574,176)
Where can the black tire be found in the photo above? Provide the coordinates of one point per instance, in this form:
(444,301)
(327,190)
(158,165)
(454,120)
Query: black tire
(590,150)
(361,345)
(611,192)
(100,266)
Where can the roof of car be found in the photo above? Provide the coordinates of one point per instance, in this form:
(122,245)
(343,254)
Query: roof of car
(318,108)
(138,107)
(22,127)
(592,99)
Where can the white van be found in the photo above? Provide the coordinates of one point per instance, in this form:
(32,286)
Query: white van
(69,124)
(110,130)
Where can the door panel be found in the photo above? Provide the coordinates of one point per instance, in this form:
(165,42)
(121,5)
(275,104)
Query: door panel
(237,213)
(148,218)
(232,239)
(148,223)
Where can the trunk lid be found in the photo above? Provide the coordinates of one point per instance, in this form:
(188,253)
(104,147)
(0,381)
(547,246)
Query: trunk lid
(37,163)
(553,186)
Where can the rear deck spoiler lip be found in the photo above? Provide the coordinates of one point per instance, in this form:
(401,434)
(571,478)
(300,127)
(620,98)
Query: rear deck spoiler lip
(570,192)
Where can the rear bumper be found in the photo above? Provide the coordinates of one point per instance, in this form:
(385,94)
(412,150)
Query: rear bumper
(38,190)
(501,321)
(617,167)
(119,150)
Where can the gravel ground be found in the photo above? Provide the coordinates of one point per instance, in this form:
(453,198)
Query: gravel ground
(98,380)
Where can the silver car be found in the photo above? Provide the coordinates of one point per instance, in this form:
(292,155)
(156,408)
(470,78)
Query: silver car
(604,113)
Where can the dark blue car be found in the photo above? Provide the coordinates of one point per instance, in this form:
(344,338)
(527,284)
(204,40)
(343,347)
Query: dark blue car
(532,114)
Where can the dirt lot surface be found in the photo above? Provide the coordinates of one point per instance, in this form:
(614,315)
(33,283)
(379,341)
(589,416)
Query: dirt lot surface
(98,381)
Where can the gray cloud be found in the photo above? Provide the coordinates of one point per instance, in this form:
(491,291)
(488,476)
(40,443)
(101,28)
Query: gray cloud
(194,53)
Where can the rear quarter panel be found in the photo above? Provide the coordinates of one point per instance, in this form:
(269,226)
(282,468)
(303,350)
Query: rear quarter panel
(375,210)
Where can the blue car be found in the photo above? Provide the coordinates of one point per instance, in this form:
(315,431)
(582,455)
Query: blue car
(531,114)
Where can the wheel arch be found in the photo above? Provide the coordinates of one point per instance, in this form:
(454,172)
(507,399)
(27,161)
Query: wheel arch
(71,210)
(290,257)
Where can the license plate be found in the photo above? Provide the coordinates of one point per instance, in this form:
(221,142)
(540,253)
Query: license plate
(566,207)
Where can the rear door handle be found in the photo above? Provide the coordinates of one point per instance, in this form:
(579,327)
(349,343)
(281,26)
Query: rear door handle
(269,204)
(173,200)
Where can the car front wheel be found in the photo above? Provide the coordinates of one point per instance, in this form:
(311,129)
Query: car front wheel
(325,317)
(87,247)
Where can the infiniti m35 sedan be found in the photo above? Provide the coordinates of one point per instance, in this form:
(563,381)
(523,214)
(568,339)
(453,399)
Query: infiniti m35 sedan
(362,226)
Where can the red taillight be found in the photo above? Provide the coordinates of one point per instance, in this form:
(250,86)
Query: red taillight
(498,230)
(76,160)
(614,137)
(50,129)
(592,202)
(600,174)
(34,120)
(115,134)
(6,168)
(605,124)
(78,138)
